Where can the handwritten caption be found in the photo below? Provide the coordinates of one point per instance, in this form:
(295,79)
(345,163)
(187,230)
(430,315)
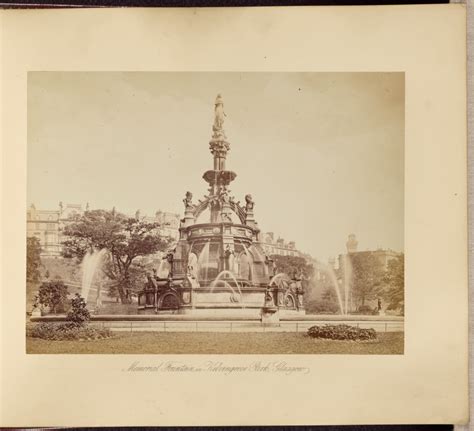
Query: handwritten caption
(221,367)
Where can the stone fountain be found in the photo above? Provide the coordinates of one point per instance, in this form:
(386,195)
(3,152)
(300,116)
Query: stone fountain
(218,268)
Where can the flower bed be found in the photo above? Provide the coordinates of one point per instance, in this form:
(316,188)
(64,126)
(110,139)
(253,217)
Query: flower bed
(342,332)
(67,331)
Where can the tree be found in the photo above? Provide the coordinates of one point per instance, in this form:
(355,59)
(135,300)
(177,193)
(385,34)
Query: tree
(368,272)
(296,266)
(395,280)
(125,239)
(53,294)
(33,259)
(293,266)
(78,314)
(329,295)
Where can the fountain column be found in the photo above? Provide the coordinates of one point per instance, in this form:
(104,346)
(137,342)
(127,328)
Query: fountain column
(219,178)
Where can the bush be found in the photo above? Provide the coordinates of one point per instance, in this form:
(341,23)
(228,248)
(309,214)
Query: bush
(342,332)
(78,314)
(367,309)
(53,294)
(328,307)
(67,331)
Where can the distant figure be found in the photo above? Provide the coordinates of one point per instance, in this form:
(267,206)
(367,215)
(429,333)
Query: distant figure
(379,304)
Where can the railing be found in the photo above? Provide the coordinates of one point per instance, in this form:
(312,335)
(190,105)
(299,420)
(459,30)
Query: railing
(240,326)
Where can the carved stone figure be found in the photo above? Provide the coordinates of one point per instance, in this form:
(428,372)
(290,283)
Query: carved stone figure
(219,116)
(249,203)
(228,252)
(269,302)
(169,257)
(188,201)
(226,217)
(225,197)
(151,283)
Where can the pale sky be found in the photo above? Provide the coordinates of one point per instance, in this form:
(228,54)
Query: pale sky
(321,153)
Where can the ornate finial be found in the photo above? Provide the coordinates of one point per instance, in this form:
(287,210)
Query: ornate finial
(219,116)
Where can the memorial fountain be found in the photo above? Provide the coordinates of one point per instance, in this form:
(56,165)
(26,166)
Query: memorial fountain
(218,268)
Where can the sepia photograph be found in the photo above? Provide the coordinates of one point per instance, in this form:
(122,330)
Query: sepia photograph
(215,213)
(234,217)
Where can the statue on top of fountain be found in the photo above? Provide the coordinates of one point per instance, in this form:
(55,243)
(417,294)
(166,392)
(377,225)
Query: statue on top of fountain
(219,116)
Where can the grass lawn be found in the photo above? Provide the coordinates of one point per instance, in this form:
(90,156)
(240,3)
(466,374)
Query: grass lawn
(219,343)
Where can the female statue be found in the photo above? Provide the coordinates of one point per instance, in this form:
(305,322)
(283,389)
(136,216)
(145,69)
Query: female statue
(219,115)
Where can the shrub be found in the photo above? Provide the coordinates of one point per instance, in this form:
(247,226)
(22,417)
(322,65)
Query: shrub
(342,332)
(78,314)
(328,307)
(53,294)
(66,331)
(33,259)
(367,309)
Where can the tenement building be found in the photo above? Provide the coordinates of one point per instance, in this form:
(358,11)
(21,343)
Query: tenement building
(278,246)
(48,225)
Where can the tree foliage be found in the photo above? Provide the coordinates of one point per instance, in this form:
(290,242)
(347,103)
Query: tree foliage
(33,259)
(395,280)
(293,266)
(329,295)
(53,294)
(296,266)
(125,239)
(368,275)
(78,314)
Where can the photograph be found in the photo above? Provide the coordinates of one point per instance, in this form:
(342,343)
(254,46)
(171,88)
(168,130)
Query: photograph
(215,213)
(235,217)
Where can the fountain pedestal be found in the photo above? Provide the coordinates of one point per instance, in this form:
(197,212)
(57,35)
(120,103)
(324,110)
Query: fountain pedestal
(270,316)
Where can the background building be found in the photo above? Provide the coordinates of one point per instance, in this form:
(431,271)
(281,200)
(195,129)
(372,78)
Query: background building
(169,223)
(278,246)
(48,225)
(383,255)
(44,225)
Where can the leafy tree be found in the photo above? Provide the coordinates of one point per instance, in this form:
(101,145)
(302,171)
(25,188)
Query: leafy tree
(33,259)
(125,239)
(53,294)
(293,266)
(297,266)
(368,273)
(329,295)
(395,279)
(78,314)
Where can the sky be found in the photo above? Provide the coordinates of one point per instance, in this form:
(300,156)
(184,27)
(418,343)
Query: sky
(321,153)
